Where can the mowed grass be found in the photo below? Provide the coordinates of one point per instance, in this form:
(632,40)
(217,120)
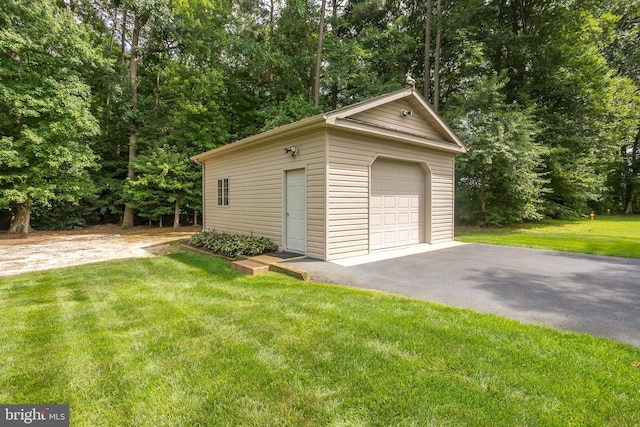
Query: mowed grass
(605,235)
(182,340)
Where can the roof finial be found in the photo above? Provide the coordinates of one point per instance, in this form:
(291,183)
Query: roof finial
(411,81)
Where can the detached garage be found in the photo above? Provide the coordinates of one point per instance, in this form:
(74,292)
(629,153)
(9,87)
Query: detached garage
(370,176)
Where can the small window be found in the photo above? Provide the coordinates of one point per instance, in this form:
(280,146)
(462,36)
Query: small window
(223,192)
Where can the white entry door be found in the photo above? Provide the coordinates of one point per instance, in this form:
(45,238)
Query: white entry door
(396,209)
(296,211)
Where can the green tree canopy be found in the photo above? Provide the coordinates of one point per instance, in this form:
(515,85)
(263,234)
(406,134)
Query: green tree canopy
(184,76)
(45,118)
(499,178)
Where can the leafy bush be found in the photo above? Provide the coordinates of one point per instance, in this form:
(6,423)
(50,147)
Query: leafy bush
(232,245)
(500,178)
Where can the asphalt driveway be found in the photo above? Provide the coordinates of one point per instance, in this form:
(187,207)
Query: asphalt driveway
(582,293)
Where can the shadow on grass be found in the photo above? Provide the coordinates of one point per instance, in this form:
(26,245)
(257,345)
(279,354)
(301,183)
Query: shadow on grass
(462,230)
(206,264)
(600,220)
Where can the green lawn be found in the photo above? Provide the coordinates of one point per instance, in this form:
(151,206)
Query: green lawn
(605,235)
(182,340)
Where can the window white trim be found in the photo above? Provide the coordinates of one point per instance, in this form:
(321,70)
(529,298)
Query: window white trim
(223,192)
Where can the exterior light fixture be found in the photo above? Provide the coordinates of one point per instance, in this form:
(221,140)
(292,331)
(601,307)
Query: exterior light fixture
(406,112)
(291,150)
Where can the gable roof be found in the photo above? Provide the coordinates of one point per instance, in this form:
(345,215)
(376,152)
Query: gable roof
(347,118)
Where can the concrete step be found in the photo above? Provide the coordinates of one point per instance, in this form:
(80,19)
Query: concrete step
(247,266)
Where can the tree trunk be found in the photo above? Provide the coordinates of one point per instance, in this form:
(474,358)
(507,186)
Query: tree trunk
(271,42)
(427,51)
(108,100)
(628,198)
(21,219)
(436,70)
(195,217)
(123,42)
(123,38)
(139,22)
(483,206)
(128,216)
(334,24)
(502,23)
(157,94)
(112,38)
(176,215)
(316,77)
(307,39)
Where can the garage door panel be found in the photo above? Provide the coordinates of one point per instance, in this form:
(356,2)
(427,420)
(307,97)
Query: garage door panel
(390,219)
(389,237)
(376,220)
(376,239)
(390,202)
(404,234)
(397,204)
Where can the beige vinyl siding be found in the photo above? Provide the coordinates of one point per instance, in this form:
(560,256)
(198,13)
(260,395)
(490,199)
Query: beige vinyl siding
(256,189)
(350,156)
(389,116)
(348,207)
(442,192)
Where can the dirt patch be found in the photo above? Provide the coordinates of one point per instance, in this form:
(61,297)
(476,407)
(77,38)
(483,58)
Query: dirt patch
(55,249)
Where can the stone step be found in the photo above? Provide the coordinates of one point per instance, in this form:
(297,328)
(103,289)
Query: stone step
(247,266)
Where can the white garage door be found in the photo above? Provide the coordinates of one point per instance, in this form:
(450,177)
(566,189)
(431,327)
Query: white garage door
(397,204)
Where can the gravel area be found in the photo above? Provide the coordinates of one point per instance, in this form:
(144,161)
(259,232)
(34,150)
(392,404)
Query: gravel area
(43,251)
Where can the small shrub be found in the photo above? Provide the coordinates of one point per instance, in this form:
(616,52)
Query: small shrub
(232,245)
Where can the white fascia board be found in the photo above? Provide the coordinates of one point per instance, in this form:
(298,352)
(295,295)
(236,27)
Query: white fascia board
(336,116)
(351,110)
(445,128)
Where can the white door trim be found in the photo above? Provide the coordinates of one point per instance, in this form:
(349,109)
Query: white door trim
(294,208)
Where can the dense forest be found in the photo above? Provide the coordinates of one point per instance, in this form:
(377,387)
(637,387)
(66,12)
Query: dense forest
(102,102)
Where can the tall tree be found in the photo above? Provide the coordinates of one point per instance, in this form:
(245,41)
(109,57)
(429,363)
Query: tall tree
(140,19)
(623,53)
(45,117)
(144,13)
(551,54)
(181,114)
(427,51)
(316,75)
(438,55)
